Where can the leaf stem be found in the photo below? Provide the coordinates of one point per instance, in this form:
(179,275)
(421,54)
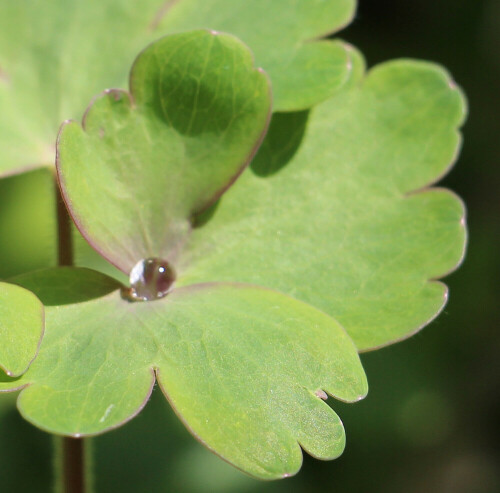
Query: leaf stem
(72,464)
(65,240)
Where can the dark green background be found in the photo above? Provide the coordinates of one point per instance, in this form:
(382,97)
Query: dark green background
(431,420)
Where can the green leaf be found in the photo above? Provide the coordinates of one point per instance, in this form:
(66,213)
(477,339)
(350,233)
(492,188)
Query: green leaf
(21,328)
(245,368)
(54,57)
(284,35)
(348,224)
(85,256)
(197,111)
(66,285)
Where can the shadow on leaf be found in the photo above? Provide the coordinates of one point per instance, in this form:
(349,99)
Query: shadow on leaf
(66,285)
(282,141)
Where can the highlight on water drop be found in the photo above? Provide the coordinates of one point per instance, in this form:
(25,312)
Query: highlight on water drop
(150,279)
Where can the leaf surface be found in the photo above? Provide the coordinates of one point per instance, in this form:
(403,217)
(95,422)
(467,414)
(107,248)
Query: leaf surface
(245,368)
(284,36)
(55,56)
(66,285)
(21,328)
(339,224)
(197,111)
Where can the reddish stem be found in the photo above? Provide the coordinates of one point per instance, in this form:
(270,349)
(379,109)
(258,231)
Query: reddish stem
(73,449)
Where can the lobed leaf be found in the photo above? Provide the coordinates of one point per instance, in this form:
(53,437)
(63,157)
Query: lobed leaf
(285,38)
(334,212)
(337,223)
(55,56)
(197,111)
(21,328)
(244,367)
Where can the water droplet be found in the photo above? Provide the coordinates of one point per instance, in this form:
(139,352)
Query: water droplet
(150,279)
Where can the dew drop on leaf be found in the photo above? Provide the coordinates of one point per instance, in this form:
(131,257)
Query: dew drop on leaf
(150,279)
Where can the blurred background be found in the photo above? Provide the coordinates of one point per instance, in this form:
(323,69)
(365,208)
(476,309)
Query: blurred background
(431,420)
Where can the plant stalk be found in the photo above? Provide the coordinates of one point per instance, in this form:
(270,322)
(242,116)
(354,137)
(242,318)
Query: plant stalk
(64,238)
(72,460)
(72,464)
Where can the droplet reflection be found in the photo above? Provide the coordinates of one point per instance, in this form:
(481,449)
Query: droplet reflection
(150,279)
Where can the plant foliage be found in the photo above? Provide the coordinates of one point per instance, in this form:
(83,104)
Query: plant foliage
(330,243)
